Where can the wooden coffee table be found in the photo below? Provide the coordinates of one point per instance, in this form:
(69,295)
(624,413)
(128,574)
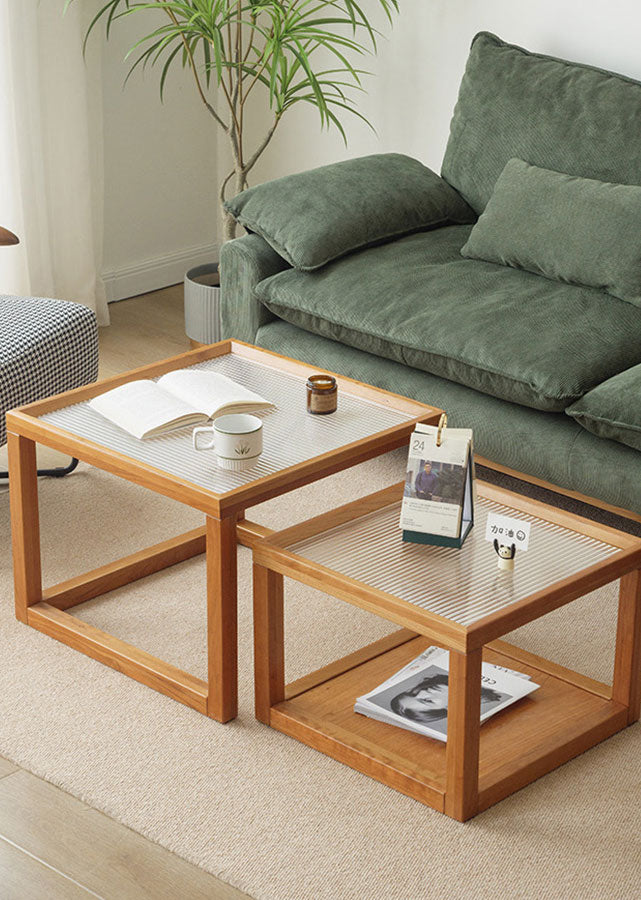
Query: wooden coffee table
(299,449)
(459,600)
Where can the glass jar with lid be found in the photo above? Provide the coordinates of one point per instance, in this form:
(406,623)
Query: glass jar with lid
(322,395)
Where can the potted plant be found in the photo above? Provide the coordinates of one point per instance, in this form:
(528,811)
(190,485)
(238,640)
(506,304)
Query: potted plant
(294,51)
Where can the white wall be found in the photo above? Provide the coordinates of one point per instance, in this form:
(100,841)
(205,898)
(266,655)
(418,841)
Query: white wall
(420,65)
(161,160)
(160,171)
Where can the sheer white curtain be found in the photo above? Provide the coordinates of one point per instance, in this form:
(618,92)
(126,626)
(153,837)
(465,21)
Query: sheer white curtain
(51,182)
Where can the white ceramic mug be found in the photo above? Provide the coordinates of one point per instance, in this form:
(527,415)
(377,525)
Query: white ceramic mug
(236,439)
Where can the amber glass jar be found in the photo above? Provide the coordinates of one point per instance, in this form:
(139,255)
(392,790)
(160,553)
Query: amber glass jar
(322,395)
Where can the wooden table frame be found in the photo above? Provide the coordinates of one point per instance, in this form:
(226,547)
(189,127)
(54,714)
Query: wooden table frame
(225,526)
(477,767)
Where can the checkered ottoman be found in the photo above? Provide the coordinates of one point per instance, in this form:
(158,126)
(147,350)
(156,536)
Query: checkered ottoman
(46,346)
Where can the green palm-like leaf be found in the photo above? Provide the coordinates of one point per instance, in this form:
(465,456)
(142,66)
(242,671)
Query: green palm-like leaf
(234,47)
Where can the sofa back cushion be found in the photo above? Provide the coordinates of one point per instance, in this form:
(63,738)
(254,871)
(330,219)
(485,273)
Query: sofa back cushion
(549,112)
(572,229)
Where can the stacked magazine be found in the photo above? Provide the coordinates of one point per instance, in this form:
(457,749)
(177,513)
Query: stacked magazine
(416,696)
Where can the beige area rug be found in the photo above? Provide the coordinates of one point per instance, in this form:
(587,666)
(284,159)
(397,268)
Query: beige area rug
(253,807)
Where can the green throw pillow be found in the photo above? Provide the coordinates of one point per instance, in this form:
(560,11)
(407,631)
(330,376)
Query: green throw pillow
(571,229)
(317,216)
(613,409)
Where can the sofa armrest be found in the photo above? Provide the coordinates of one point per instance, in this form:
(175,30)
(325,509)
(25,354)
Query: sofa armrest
(244,262)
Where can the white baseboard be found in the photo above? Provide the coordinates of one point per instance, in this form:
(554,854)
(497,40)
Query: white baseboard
(153,274)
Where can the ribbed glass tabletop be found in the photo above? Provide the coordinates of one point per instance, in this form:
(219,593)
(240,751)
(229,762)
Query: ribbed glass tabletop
(291,435)
(462,585)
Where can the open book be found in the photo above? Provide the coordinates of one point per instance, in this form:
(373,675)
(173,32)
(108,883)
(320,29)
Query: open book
(184,397)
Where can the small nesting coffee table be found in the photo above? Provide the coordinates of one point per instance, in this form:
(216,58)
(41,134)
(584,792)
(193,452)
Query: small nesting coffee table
(299,449)
(459,600)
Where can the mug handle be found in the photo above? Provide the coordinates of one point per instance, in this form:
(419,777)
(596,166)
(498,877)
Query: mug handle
(202,429)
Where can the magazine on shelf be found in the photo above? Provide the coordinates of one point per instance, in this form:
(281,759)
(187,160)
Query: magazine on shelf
(438,499)
(415,697)
(147,409)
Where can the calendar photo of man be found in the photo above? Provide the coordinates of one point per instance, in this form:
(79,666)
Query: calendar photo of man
(426,482)
(438,490)
(436,481)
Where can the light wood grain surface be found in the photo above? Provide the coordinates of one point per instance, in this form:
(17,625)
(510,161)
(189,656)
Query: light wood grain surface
(25,878)
(51,845)
(6,767)
(463,735)
(559,721)
(568,715)
(54,846)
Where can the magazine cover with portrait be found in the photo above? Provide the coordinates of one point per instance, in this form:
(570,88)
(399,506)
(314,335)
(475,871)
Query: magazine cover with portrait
(416,698)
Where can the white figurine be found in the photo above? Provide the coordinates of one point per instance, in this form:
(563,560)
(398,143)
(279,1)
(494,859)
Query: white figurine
(506,554)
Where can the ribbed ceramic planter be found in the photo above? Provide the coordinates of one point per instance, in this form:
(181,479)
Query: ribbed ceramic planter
(202,304)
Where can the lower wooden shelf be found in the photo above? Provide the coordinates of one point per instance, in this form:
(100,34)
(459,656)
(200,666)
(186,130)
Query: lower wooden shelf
(566,716)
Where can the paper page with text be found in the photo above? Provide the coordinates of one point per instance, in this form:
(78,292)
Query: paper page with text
(211,392)
(143,409)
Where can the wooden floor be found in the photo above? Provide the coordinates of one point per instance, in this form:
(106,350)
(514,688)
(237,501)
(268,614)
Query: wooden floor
(143,330)
(52,846)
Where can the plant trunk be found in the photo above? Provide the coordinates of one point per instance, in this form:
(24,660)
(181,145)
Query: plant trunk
(229,226)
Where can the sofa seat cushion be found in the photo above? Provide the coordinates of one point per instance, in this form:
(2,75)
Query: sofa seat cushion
(508,333)
(548,446)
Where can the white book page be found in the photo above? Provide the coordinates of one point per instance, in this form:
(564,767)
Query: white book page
(210,392)
(142,408)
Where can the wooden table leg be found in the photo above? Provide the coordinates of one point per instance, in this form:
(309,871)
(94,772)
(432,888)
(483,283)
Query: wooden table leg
(626,686)
(222,619)
(463,733)
(25,527)
(269,640)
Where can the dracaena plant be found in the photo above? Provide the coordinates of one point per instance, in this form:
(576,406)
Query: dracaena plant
(296,51)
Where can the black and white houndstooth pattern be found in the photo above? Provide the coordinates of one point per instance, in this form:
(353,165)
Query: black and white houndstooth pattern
(46,346)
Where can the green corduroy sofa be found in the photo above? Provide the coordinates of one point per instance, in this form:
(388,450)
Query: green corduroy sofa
(504,351)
